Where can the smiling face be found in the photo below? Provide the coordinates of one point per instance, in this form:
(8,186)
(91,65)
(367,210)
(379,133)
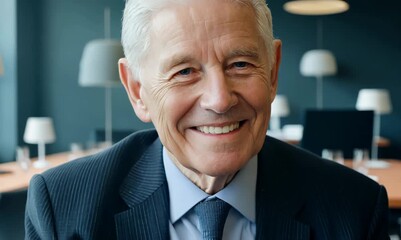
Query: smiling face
(206,84)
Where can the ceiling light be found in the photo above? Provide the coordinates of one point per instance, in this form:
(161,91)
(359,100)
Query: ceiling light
(316,7)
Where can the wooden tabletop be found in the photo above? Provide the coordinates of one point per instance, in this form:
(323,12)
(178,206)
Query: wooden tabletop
(18,179)
(390,178)
(379,141)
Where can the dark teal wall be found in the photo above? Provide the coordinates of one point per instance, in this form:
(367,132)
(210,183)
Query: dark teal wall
(66,27)
(28,90)
(366,41)
(8,82)
(41,43)
(20,86)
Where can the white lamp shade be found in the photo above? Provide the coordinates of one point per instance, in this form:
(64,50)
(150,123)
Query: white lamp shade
(377,100)
(318,63)
(99,63)
(316,7)
(39,130)
(280,106)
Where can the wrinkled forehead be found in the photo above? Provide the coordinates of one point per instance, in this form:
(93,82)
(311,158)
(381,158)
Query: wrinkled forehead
(195,13)
(159,4)
(203,22)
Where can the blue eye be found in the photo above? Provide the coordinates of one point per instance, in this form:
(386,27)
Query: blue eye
(240,64)
(185,71)
(189,74)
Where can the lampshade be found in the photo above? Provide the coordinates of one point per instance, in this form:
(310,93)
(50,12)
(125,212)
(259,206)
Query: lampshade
(280,106)
(39,130)
(374,99)
(316,7)
(98,66)
(1,67)
(318,63)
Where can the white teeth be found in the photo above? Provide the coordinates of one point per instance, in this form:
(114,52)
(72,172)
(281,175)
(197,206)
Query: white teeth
(218,130)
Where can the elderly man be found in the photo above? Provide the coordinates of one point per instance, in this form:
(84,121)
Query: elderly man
(204,72)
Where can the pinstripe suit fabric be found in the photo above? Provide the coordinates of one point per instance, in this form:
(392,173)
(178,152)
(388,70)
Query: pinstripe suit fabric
(122,193)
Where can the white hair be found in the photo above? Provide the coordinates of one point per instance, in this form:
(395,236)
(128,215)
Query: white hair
(137,20)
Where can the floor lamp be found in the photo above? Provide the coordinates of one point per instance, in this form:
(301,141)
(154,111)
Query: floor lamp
(318,63)
(99,68)
(379,101)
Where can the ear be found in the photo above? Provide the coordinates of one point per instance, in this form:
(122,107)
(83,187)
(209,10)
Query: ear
(133,87)
(275,68)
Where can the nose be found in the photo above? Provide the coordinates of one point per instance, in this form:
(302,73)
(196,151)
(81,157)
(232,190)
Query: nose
(218,94)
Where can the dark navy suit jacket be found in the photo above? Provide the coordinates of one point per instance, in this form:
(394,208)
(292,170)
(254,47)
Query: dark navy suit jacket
(122,193)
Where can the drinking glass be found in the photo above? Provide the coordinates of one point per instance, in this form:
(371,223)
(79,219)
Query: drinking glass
(361,156)
(333,154)
(23,159)
(76,151)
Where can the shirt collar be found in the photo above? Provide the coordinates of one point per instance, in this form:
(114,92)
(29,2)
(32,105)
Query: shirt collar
(184,194)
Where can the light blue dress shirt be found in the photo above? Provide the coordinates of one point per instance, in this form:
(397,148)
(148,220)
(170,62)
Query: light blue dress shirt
(184,194)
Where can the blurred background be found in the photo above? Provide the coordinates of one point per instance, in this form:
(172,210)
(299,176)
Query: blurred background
(42,42)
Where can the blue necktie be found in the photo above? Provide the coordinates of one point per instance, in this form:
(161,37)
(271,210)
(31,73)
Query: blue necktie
(212,216)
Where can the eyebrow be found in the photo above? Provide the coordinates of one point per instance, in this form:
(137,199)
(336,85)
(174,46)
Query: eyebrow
(245,52)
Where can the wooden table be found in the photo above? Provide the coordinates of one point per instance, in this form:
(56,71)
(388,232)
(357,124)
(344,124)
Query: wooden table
(18,179)
(380,142)
(390,178)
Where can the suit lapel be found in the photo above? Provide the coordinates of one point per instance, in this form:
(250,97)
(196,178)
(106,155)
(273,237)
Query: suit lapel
(280,196)
(145,191)
(276,225)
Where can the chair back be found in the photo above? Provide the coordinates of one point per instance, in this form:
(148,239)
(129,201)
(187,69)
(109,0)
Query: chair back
(117,135)
(345,130)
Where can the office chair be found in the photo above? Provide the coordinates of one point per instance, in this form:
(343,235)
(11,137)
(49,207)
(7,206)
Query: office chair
(343,130)
(117,135)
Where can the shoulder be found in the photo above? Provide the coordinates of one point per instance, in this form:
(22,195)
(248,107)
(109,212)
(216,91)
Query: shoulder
(320,192)
(123,151)
(314,179)
(310,168)
(86,189)
(104,168)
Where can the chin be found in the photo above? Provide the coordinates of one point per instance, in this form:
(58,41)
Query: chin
(221,166)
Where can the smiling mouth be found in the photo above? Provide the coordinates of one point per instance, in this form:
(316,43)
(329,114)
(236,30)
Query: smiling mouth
(219,130)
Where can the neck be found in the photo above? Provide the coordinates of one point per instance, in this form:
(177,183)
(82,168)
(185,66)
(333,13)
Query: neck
(209,184)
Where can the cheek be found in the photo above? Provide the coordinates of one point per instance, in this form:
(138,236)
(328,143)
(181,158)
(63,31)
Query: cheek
(258,95)
(154,97)
(171,122)
(258,98)
(169,104)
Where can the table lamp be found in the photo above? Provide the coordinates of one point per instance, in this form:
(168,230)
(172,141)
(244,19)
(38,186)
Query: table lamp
(279,109)
(318,63)
(99,68)
(40,130)
(379,101)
